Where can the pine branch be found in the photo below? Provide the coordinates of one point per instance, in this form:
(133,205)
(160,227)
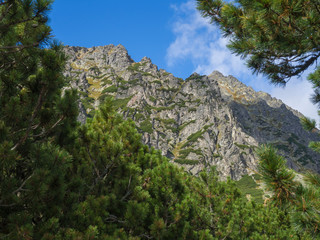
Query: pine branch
(19,189)
(21,130)
(146,236)
(307,123)
(316,5)
(8,205)
(93,162)
(20,46)
(113,218)
(44,133)
(292,71)
(294,26)
(37,14)
(106,171)
(6,236)
(22,185)
(4,13)
(214,13)
(208,10)
(312,178)
(35,113)
(128,190)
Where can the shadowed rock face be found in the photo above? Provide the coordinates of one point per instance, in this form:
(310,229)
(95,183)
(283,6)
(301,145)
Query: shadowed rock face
(197,122)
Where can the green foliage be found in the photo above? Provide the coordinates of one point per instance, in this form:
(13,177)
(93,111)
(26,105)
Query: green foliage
(217,155)
(121,102)
(163,89)
(181,104)
(242,146)
(315,146)
(275,174)
(300,201)
(238,219)
(102,77)
(148,74)
(152,99)
(310,125)
(118,188)
(37,122)
(183,161)
(102,97)
(307,123)
(194,77)
(168,121)
(146,126)
(135,189)
(124,87)
(314,78)
(110,89)
(248,186)
(106,81)
(94,69)
(257,177)
(192,109)
(87,102)
(159,109)
(120,80)
(181,127)
(185,152)
(279,38)
(195,136)
(134,81)
(139,116)
(168,124)
(135,67)
(157,82)
(166,74)
(198,100)
(62,181)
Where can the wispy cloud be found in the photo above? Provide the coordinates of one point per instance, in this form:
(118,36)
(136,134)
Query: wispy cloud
(201,42)
(297,94)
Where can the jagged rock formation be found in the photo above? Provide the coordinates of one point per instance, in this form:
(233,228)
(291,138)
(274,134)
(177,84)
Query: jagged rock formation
(197,122)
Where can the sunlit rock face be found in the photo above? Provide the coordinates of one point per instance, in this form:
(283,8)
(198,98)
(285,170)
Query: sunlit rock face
(198,122)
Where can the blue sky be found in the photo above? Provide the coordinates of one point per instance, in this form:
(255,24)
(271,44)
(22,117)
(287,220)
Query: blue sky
(170,32)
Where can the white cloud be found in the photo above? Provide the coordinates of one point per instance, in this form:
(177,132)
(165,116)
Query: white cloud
(297,94)
(201,42)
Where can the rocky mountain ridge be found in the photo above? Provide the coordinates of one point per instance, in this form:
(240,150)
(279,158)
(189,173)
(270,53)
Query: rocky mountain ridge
(196,122)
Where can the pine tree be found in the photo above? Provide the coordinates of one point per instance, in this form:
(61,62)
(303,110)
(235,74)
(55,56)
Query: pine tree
(123,189)
(228,216)
(279,38)
(59,180)
(301,202)
(277,177)
(36,120)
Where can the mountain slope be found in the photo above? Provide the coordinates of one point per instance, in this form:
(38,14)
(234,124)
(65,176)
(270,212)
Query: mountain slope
(197,122)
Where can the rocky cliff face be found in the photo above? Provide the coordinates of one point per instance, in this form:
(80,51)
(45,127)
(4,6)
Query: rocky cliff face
(197,122)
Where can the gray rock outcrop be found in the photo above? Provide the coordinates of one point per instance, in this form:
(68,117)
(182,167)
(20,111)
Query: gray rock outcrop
(197,122)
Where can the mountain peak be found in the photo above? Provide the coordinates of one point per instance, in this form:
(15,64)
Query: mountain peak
(146,59)
(203,121)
